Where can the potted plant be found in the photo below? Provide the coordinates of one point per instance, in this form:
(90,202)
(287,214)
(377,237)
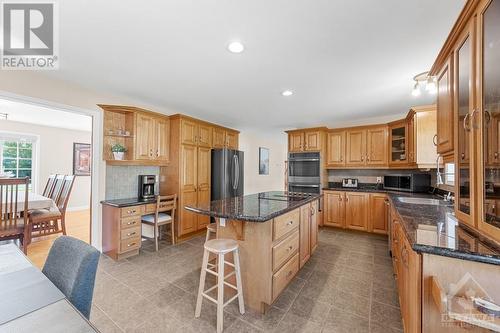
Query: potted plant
(118,151)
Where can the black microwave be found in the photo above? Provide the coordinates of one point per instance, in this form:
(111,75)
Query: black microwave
(415,182)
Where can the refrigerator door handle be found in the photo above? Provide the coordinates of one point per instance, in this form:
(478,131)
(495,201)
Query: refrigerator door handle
(237,173)
(235,168)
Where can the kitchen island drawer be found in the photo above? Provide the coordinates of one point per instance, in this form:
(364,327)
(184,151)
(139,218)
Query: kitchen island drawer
(130,244)
(282,277)
(285,249)
(285,223)
(132,211)
(130,233)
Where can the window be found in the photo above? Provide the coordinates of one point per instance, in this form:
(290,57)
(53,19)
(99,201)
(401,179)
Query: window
(16,157)
(449,174)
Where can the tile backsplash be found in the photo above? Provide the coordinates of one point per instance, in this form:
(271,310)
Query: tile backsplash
(122,181)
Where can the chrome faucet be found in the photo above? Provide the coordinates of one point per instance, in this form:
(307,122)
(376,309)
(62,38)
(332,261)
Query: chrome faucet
(439,179)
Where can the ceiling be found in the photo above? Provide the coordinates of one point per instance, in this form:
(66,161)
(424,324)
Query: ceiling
(39,115)
(347,61)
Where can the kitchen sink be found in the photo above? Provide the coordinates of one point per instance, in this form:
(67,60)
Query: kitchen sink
(424,201)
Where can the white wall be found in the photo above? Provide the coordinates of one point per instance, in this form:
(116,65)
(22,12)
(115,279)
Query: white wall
(56,156)
(249,142)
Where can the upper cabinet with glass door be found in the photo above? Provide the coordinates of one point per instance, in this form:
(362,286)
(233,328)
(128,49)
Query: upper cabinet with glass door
(463,106)
(489,105)
(398,143)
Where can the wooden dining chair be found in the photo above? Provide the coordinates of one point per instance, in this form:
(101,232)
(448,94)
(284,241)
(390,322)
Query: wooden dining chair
(166,203)
(49,186)
(44,222)
(13,212)
(58,184)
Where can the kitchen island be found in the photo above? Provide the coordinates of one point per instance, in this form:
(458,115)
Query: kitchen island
(277,232)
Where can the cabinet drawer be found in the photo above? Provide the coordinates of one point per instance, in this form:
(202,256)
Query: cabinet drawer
(130,233)
(282,277)
(150,208)
(130,222)
(130,244)
(285,223)
(285,249)
(132,211)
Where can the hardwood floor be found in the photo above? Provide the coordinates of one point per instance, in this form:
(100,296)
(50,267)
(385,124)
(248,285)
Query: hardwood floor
(77,225)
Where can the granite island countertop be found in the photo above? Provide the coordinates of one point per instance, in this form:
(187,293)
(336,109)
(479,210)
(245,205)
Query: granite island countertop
(434,229)
(258,207)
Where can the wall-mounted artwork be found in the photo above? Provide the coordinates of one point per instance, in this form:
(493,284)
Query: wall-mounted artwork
(81,159)
(263,161)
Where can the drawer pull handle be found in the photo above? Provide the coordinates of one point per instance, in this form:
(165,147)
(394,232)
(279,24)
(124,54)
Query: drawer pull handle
(289,223)
(290,248)
(131,244)
(131,211)
(131,233)
(130,223)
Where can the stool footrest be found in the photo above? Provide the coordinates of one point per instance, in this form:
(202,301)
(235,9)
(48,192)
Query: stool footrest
(230,300)
(230,285)
(211,272)
(209,298)
(229,263)
(230,274)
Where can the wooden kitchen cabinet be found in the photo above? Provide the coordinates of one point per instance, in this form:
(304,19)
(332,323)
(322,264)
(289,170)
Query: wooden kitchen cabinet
(335,209)
(335,154)
(145,135)
(398,143)
(311,139)
(356,210)
(378,210)
(305,234)
(314,225)
(355,147)
(223,138)
(189,174)
(152,138)
(445,108)
(376,146)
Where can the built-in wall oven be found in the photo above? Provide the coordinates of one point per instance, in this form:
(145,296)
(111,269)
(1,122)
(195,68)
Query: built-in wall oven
(304,172)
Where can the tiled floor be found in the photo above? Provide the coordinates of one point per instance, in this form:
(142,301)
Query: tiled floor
(347,286)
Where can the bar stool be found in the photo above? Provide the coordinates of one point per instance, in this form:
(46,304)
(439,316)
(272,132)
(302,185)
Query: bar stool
(220,247)
(211,230)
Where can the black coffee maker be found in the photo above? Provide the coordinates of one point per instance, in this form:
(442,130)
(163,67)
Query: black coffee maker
(146,187)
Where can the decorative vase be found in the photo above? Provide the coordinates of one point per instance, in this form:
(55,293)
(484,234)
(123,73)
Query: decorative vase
(118,155)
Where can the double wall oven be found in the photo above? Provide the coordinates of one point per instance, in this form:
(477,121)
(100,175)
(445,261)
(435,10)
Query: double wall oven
(304,172)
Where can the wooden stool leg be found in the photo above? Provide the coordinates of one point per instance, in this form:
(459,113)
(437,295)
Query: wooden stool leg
(220,294)
(201,287)
(238,281)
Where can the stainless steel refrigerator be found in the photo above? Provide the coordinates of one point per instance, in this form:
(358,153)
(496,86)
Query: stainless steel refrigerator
(227,173)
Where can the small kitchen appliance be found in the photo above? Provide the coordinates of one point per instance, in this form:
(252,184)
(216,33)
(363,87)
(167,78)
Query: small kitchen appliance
(350,182)
(146,187)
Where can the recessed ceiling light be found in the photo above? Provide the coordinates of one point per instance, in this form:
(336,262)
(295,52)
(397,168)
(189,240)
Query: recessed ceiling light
(287,93)
(235,47)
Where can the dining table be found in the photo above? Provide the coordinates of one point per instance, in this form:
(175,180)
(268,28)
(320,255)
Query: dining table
(30,302)
(35,201)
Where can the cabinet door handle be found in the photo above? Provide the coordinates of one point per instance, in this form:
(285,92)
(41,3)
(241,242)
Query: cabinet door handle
(434,140)
(340,198)
(362,158)
(289,223)
(472,116)
(131,233)
(466,124)
(131,244)
(341,158)
(347,198)
(290,248)
(488,116)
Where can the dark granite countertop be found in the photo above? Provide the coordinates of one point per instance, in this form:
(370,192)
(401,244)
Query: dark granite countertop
(434,229)
(127,202)
(259,207)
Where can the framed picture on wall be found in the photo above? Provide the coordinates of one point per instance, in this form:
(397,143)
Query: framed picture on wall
(263,161)
(81,159)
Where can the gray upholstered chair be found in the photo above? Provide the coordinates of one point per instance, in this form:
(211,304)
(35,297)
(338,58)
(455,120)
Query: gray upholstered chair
(71,266)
